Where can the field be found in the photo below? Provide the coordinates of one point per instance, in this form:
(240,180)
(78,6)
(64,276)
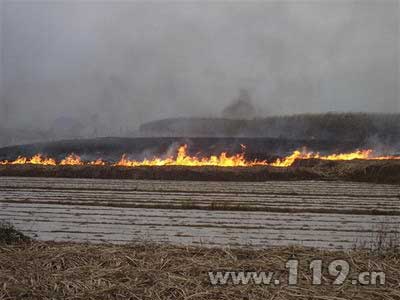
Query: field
(331,215)
(104,232)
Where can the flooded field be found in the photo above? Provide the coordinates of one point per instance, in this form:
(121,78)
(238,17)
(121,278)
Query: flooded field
(320,214)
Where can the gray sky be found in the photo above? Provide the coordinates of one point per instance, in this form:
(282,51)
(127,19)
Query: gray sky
(131,62)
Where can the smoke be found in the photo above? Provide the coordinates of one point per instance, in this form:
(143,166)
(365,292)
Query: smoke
(240,108)
(92,69)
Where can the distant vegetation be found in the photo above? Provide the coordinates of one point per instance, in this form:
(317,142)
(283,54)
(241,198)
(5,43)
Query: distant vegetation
(330,126)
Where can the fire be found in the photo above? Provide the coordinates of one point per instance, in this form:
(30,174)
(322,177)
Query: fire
(182,158)
(72,160)
(19,161)
(289,160)
(37,159)
(97,162)
(359,154)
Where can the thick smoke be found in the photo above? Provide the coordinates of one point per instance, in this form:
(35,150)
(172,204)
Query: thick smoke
(88,69)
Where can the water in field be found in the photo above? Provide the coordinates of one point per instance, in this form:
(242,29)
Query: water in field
(309,213)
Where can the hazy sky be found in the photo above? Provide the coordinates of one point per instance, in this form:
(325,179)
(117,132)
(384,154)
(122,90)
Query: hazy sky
(129,62)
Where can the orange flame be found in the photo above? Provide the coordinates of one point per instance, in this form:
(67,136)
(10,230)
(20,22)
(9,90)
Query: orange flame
(97,162)
(72,160)
(289,160)
(183,159)
(359,154)
(37,159)
(20,161)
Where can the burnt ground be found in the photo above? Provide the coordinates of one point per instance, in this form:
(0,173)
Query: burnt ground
(356,170)
(139,148)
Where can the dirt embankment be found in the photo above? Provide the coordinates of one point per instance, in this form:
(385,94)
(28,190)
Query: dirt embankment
(356,170)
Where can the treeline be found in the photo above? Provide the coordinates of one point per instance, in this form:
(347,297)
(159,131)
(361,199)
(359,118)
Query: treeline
(329,126)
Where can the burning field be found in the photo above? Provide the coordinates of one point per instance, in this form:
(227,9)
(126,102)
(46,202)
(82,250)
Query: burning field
(158,236)
(359,165)
(182,158)
(149,148)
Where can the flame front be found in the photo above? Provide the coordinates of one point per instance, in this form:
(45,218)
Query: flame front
(359,154)
(72,160)
(183,159)
(37,159)
(97,162)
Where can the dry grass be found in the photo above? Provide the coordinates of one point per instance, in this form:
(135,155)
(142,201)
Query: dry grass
(80,271)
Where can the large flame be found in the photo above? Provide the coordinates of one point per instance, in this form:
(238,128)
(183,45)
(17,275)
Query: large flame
(183,159)
(37,159)
(72,160)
